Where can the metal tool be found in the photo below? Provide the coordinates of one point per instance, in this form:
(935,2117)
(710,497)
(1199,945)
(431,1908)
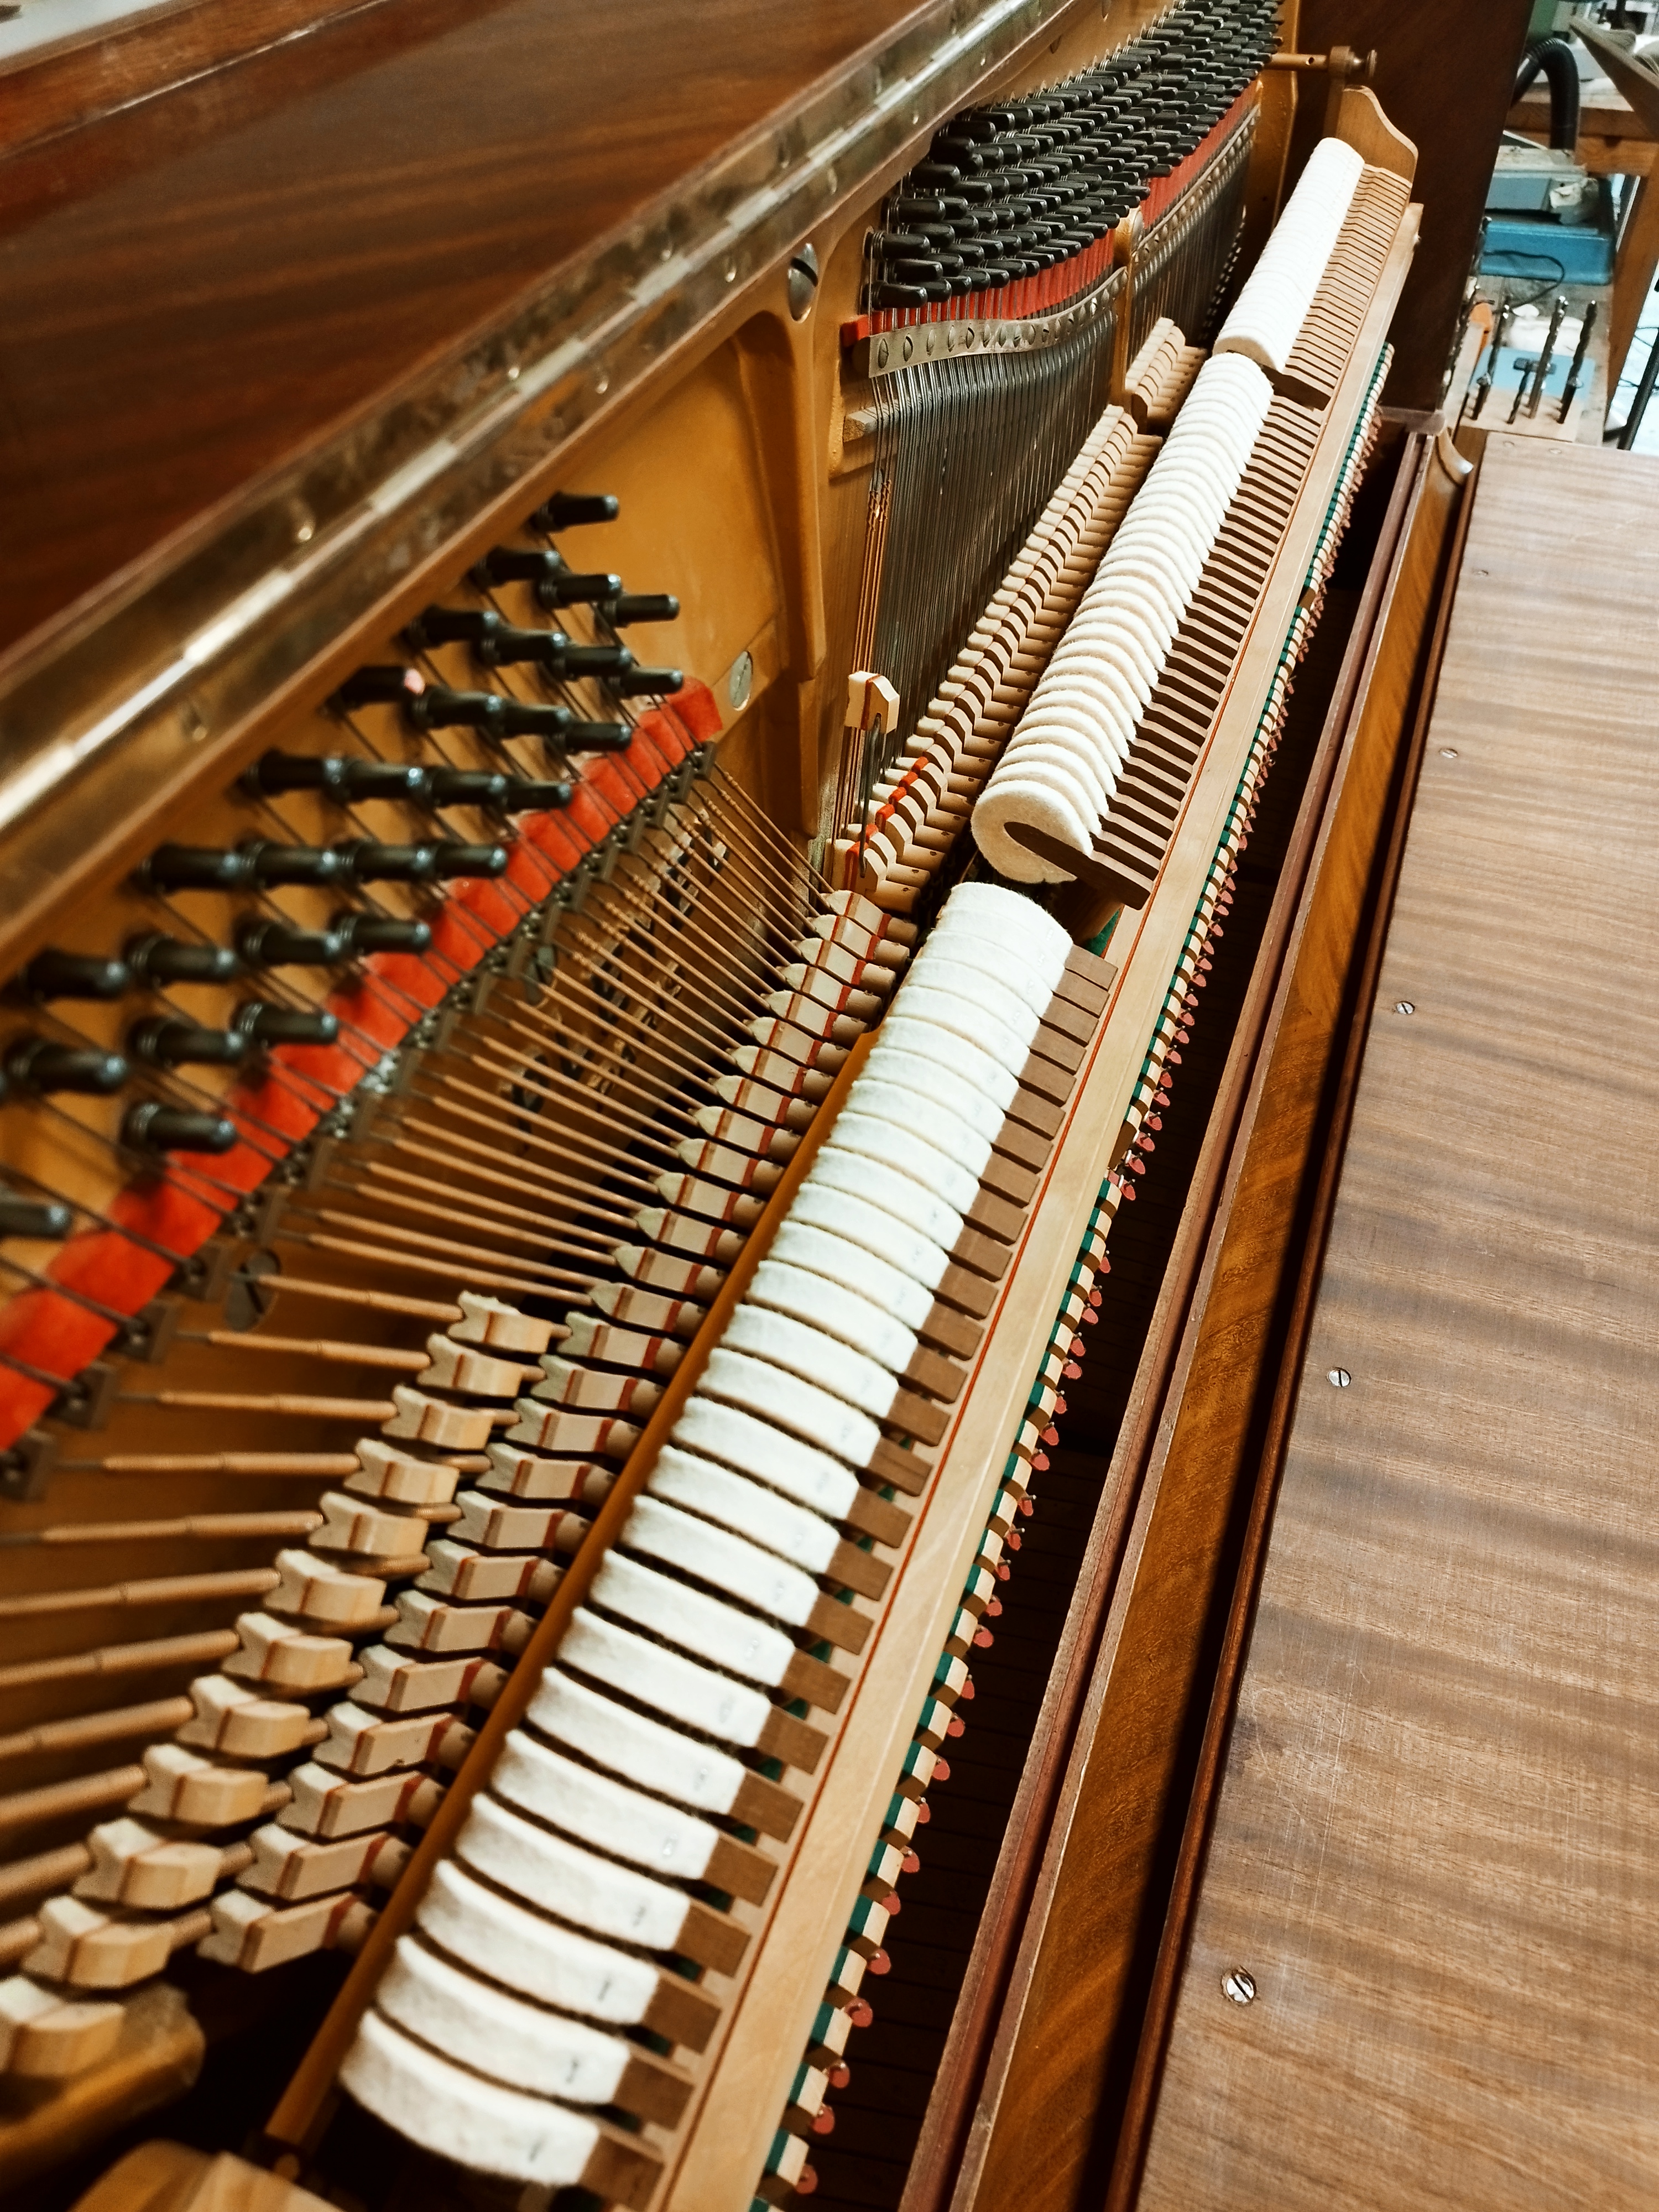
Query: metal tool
(1545,358)
(1500,330)
(1576,370)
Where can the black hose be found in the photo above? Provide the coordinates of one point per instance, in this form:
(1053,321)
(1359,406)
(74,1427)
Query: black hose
(1554,58)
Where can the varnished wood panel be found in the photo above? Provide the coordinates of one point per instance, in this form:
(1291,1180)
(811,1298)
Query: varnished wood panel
(1434,1846)
(203,283)
(1067,2041)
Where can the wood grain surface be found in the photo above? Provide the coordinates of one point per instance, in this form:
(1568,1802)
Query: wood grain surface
(1433,1850)
(204,281)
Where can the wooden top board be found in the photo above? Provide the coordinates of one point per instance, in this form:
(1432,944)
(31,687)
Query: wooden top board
(1435,1849)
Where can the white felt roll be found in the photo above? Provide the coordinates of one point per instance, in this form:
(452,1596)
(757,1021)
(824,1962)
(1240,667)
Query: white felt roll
(612,1735)
(1044,954)
(775,1394)
(944,1049)
(889,1242)
(600,1810)
(947,1009)
(1007,913)
(962,1144)
(477,2123)
(519,2044)
(929,1079)
(533,1955)
(868,1178)
(942,970)
(755,1447)
(1076,742)
(697,1624)
(888,1145)
(1267,316)
(728,1563)
(1014,798)
(837,1258)
(698,1485)
(1031,987)
(663,1681)
(822,1360)
(556,1876)
(855,1319)
(1064,771)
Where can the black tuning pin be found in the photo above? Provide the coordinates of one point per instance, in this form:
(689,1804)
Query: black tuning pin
(343,777)
(46,1222)
(53,975)
(152,1128)
(597,736)
(193,868)
(261,1024)
(502,644)
(466,787)
(34,1064)
(165,1042)
(368,861)
(524,794)
(380,687)
(470,859)
(512,564)
(488,712)
(377,932)
(559,586)
(274,945)
(627,607)
(566,510)
(647,683)
(314,864)
(158,960)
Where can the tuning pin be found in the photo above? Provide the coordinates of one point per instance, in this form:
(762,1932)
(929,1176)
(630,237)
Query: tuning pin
(35,1064)
(53,975)
(152,1128)
(45,1221)
(569,510)
(470,859)
(368,861)
(194,868)
(596,737)
(380,687)
(466,787)
(628,607)
(647,683)
(343,777)
(273,945)
(260,1023)
(375,933)
(612,663)
(559,586)
(512,565)
(166,1041)
(524,794)
(156,960)
(488,712)
(313,864)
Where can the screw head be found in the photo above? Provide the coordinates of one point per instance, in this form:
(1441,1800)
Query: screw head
(1449,752)
(741,681)
(881,354)
(1405,1006)
(1339,1378)
(1238,1985)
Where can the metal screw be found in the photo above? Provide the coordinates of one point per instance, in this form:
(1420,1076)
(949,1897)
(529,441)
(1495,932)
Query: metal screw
(1449,752)
(1238,1985)
(740,681)
(881,354)
(1405,1006)
(1339,1376)
(803,284)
